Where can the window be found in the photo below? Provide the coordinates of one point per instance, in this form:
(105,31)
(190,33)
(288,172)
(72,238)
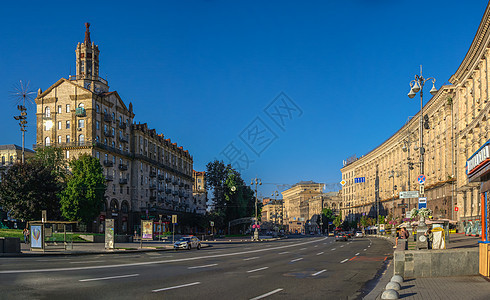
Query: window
(59,125)
(113,132)
(68,108)
(47,112)
(97,108)
(81,139)
(97,154)
(59,109)
(81,105)
(114,160)
(106,156)
(97,139)
(105,141)
(114,117)
(113,144)
(81,123)
(47,141)
(67,154)
(67,124)
(59,139)
(68,138)
(97,125)
(105,128)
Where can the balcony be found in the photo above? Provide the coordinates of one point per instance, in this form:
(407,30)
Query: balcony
(152,186)
(161,189)
(160,177)
(122,125)
(108,134)
(181,194)
(123,167)
(108,163)
(175,193)
(153,174)
(176,182)
(107,118)
(181,184)
(123,139)
(153,198)
(168,180)
(168,191)
(123,181)
(80,112)
(109,178)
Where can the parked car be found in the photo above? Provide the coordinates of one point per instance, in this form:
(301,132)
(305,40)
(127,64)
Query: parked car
(188,243)
(359,234)
(341,236)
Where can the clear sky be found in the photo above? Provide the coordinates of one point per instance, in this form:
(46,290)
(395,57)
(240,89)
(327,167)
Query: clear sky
(212,75)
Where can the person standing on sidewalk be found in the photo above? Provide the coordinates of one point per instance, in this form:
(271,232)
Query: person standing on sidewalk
(26,235)
(402,235)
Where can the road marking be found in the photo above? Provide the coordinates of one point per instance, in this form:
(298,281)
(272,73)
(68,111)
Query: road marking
(259,269)
(284,252)
(303,249)
(357,253)
(267,294)
(342,246)
(250,258)
(344,260)
(316,246)
(333,249)
(176,287)
(369,246)
(52,260)
(297,259)
(158,262)
(318,273)
(320,253)
(106,278)
(205,266)
(364,249)
(85,262)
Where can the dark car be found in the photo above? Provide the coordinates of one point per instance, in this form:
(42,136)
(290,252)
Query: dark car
(341,236)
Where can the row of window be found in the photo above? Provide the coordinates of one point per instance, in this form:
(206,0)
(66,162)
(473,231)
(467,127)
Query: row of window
(47,110)
(81,140)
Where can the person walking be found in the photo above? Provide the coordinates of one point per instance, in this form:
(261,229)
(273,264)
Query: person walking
(26,235)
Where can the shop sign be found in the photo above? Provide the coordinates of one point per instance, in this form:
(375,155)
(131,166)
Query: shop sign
(478,158)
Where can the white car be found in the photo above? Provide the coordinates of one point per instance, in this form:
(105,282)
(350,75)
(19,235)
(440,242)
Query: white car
(188,243)
(359,234)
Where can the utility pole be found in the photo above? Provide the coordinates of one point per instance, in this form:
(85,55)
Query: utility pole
(257,182)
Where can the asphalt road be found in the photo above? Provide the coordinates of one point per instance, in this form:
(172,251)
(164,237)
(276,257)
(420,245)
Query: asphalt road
(294,268)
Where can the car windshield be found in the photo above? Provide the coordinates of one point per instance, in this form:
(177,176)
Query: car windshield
(186,239)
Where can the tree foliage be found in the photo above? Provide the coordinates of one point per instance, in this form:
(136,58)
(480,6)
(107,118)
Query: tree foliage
(27,189)
(338,220)
(83,196)
(53,157)
(232,198)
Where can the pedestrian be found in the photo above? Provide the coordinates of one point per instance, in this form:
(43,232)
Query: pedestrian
(404,234)
(430,238)
(26,235)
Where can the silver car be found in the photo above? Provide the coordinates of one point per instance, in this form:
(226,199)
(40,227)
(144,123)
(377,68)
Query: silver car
(188,243)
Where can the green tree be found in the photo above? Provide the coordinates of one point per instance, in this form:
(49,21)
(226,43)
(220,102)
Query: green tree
(27,189)
(53,157)
(338,220)
(327,216)
(83,196)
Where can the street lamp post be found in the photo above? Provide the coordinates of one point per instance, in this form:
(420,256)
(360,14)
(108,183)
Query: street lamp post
(393,196)
(417,85)
(275,194)
(406,148)
(22,118)
(257,182)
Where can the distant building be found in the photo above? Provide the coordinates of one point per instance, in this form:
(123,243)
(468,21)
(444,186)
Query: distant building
(301,202)
(10,154)
(199,193)
(147,174)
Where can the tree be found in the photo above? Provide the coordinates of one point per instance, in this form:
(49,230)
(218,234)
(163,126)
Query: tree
(53,157)
(338,220)
(83,196)
(27,189)
(327,217)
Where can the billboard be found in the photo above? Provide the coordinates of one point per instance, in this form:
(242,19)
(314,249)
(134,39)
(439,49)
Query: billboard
(147,230)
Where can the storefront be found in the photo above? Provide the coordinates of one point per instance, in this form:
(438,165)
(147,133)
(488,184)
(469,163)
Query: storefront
(478,170)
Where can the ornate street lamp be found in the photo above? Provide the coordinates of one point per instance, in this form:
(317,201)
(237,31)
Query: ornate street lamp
(257,182)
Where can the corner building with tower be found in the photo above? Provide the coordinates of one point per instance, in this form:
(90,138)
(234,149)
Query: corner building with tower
(147,174)
(455,125)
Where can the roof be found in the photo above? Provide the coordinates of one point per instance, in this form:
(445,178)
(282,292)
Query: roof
(15,147)
(305,183)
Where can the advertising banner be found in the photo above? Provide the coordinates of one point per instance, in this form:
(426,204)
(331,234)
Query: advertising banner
(109,233)
(147,230)
(37,237)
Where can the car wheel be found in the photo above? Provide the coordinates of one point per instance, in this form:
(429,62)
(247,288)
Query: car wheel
(198,246)
(188,247)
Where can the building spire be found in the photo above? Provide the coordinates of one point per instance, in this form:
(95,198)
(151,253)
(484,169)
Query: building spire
(87,34)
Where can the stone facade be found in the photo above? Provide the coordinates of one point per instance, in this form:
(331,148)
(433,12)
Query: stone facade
(199,192)
(458,126)
(147,174)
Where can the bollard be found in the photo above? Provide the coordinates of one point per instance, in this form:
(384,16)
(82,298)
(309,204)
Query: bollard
(397,278)
(393,286)
(390,294)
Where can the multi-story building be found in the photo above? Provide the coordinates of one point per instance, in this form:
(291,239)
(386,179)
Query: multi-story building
(457,124)
(147,174)
(199,193)
(301,202)
(272,211)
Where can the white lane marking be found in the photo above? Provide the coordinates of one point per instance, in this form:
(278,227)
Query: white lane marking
(176,287)
(205,266)
(320,253)
(357,254)
(157,262)
(106,278)
(284,252)
(250,258)
(302,249)
(369,246)
(316,246)
(333,249)
(342,246)
(85,261)
(52,260)
(297,259)
(259,269)
(266,294)
(318,273)
(344,260)
(364,249)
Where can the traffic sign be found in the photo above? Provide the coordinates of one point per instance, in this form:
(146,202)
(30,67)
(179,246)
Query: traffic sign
(409,194)
(422,202)
(174,219)
(456,208)
(421,190)
(343,182)
(359,179)
(421,179)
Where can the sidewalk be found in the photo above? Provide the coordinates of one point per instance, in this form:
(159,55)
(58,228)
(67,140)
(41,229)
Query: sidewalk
(462,287)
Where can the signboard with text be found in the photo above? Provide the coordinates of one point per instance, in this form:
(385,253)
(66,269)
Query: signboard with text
(109,233)
(147,230)
(422,202)
(409,194)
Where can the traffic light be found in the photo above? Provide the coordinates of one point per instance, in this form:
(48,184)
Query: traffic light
(426,122)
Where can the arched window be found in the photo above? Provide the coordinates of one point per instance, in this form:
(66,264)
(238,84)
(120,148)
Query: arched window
(81,139)
(47,112)
(114,206)
(97,139)
(47,141)
(81,105)
(124,207)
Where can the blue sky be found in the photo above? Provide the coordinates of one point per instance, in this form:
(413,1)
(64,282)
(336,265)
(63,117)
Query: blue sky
(204,72)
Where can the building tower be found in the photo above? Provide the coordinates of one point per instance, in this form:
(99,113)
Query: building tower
(87,67)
